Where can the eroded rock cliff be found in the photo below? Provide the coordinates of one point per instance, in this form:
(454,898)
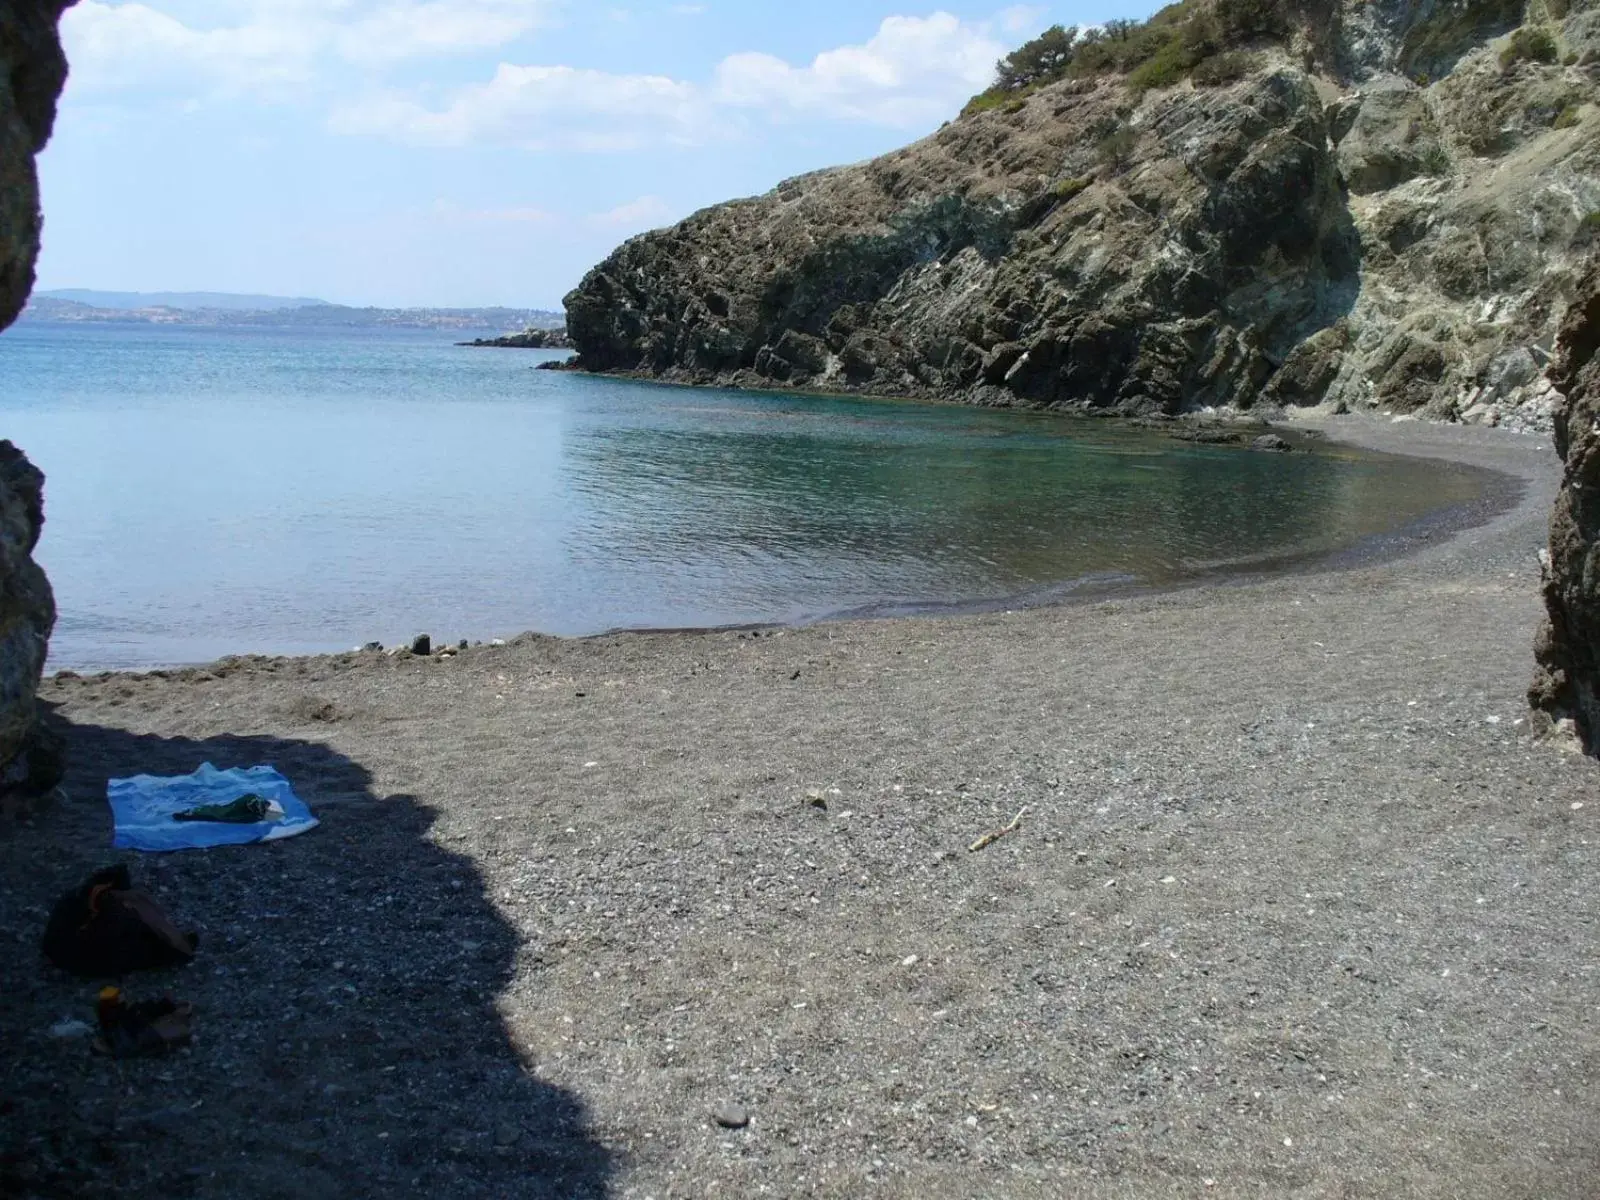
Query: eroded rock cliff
(1566,686)
(1373,206)
(34,72)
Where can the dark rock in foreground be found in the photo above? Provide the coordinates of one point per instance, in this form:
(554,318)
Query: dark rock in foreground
(34,73)
(1567,685)
(27,617)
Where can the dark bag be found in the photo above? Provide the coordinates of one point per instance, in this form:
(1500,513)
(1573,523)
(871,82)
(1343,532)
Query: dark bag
(106,929)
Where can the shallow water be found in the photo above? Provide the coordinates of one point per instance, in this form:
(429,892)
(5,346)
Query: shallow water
(223,491)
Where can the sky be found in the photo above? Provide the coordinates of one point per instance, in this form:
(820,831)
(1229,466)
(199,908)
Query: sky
(470,152)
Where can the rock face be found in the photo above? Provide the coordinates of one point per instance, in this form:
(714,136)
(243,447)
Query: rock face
(1567,683)
(1376,213)
(34,72)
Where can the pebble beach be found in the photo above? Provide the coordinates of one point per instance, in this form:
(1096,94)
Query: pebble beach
(1288,903)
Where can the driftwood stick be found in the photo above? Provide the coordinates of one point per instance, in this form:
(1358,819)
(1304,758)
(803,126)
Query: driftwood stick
(990,839)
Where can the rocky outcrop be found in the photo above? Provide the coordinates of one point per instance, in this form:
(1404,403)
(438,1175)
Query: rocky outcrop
(1566,686)
(34,72)
(1380,209)
(528,339)
(27,616)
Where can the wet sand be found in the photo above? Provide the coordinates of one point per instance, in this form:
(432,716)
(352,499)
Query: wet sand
(1297,908)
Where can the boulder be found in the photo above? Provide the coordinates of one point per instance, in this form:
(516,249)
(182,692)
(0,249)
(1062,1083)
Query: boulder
(1566,685)
(34,72)
(1392,138)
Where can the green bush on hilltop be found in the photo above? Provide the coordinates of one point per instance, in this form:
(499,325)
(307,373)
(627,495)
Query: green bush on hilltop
(1529,44)
(1042,60)
(1197,38)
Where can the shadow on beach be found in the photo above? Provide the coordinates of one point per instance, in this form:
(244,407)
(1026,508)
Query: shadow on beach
(347,1039)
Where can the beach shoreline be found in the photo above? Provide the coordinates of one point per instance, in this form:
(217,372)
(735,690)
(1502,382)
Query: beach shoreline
(1296,906)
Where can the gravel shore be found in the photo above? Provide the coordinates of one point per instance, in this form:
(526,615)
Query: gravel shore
(1297,908)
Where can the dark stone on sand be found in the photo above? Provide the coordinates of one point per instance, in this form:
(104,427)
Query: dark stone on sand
(422,645)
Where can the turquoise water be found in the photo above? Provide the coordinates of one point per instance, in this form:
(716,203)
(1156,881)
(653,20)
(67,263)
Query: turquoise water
(224,491)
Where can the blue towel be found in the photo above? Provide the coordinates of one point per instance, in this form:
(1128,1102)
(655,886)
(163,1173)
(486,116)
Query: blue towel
(142,809)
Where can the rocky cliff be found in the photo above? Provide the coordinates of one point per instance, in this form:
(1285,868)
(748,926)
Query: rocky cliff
(1566,686)
(1373,205)
(34,72)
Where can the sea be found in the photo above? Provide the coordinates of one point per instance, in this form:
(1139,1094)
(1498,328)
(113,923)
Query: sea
(217,491)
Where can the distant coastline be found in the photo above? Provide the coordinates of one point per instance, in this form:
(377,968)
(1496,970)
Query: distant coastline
(221,310)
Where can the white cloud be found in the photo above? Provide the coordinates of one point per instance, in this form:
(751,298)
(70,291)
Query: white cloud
(914,70)
(249,44)
(540,108)
(122,45)
(647,212)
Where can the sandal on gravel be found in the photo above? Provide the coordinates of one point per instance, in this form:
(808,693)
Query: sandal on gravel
(148,1027)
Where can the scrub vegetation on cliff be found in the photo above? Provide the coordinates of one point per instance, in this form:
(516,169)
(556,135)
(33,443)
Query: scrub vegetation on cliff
(1192,39)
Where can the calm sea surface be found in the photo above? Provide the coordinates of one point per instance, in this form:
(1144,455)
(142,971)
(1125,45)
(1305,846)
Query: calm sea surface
(217,491)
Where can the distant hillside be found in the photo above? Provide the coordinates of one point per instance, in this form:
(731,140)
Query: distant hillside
(219,301)
(56,308)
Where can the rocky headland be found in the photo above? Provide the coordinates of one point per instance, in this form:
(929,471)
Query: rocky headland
(1247,205)
(528,339)
(34,73)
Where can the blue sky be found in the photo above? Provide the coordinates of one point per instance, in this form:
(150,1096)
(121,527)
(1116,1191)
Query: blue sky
(469,152)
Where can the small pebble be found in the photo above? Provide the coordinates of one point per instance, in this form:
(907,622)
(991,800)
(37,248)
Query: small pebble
(909,960)
(731,1116)
(67,1030)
